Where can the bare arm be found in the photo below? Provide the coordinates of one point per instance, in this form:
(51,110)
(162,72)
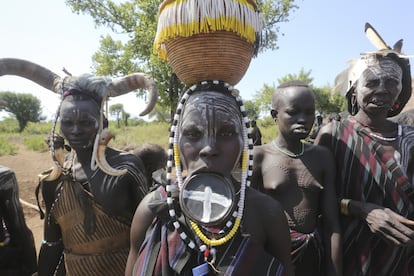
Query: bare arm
(51,259)
(140,223)
(330,217)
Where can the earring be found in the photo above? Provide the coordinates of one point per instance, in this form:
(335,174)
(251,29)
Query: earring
(354,107)
(395,106)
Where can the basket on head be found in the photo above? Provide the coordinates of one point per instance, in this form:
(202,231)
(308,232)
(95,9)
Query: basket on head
(208,39)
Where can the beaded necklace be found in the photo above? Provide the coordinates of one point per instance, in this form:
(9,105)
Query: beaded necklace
(380,137)
(387,139)
(247,167)
(288,153)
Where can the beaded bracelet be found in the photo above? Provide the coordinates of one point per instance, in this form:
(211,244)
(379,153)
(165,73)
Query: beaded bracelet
(345,206)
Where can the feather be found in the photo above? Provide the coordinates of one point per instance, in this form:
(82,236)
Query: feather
(375,38)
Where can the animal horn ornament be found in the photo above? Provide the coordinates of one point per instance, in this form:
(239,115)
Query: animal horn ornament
(53,82)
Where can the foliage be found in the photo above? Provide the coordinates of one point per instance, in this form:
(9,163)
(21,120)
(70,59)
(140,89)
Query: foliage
(326,102)
(7,147)
(24,107)
(252,110)
(263,98)
(9,125)
(116,111)
(136,21)
(268,128)
(36,143)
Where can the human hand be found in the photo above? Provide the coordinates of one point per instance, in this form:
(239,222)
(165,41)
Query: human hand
(389,225)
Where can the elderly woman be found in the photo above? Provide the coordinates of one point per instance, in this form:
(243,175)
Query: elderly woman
(375,168)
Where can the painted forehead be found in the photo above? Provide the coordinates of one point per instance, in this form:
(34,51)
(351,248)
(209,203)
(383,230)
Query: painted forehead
(80,103)
(221,102)
(382,67)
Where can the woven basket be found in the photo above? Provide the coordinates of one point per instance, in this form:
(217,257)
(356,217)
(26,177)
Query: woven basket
(220,55)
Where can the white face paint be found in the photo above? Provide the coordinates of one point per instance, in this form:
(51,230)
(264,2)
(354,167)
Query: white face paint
(379,85)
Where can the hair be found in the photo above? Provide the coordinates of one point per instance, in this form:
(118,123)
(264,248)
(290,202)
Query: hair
(279,92)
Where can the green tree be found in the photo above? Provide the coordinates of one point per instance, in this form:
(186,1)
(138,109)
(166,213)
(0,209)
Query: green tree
(136,20)
(24,108)
(252,109)
(125,117)
(117,110)
(326,100)
(303,75)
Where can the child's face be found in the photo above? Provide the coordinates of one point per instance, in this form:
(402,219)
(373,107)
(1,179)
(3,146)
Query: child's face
(296,112)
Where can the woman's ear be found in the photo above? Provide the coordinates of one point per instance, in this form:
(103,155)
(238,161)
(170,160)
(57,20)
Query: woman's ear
(273,113)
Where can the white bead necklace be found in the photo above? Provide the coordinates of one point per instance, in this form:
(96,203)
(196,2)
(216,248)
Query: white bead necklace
(387,139)
(288,153)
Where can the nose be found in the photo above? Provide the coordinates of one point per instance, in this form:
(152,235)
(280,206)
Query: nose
(209,149)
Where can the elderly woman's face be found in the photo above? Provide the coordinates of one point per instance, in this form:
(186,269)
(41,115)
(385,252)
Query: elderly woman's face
(379,86)
(79,122)
(211,133)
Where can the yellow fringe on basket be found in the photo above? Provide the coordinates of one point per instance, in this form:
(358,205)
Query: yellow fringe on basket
(184,18)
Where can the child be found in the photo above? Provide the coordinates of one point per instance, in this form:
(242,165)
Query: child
(301,177)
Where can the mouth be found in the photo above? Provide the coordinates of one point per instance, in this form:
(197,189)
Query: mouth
(379,101)
(300,130)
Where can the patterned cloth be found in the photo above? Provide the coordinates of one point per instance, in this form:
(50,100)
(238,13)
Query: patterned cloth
(164,252)
(95,242)
(366,172)
(307,245)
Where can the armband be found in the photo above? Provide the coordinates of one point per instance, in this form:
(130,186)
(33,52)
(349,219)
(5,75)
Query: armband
(345,206)
(51,243)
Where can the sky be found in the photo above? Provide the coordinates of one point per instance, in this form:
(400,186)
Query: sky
(321,36)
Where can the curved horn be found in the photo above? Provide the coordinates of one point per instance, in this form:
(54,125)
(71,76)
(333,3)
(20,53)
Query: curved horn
(101,158)
(31,71)
(134,81)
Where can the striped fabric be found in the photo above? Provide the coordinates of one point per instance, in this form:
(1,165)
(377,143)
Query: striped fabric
(302,243)
(105,251)
(366,172)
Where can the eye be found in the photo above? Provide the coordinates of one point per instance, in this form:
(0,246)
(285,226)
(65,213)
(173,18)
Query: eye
(192,133)
(227,131)
(372,83)
(391,83)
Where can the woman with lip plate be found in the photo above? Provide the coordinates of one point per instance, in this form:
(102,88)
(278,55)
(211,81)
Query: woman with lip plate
(206,220)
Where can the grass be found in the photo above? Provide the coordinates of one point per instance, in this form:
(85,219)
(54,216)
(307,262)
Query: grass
(34,135)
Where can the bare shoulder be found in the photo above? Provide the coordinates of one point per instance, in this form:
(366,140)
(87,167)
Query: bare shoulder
(324,136)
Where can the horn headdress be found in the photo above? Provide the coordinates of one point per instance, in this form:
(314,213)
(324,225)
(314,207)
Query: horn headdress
(345,80)
(112,88)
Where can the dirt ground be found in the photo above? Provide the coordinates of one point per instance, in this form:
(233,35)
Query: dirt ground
(27,165)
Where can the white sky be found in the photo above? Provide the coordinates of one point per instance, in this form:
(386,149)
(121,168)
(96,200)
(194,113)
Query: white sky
(321,36)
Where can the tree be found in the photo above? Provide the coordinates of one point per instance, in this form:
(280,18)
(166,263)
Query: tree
(24,107)
(125,117)
(116,110)
(252,109)
(326,101)
(137,21)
